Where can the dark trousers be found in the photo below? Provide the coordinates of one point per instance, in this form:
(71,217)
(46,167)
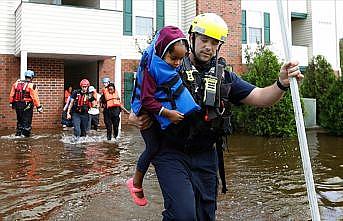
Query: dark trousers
(152,143)
(188,183)
(24,113)
(111,118)
(80,122)
(105,113)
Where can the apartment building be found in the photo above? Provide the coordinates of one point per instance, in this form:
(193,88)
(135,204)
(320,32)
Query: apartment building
(314,28)
(64,41)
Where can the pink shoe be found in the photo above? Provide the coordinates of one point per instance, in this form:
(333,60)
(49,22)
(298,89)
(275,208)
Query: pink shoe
(139,201)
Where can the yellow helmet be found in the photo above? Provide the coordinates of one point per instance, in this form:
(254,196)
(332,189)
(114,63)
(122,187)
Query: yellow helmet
(211,25)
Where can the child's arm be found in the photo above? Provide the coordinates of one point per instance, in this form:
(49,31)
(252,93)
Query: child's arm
(173,115)
(148,89)
(150,103)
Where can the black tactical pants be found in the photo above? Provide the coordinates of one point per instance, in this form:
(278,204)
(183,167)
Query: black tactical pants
(24,111)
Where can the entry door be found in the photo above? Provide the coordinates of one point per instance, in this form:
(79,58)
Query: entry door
(129,78)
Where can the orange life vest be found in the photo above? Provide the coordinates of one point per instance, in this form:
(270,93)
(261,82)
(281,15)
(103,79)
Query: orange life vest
(82,102)
(22,92)
(112,100)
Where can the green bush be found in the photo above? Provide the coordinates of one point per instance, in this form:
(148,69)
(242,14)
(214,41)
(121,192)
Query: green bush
(319,75)
(331,117)
(278,120)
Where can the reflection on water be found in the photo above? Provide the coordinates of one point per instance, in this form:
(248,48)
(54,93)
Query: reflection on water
(41,173)
(51,176)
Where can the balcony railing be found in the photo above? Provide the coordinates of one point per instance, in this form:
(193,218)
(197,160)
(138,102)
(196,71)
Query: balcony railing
(58,29)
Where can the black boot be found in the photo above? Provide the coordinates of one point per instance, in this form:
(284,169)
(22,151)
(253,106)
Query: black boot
(109,135)
(26,133)
(18,133)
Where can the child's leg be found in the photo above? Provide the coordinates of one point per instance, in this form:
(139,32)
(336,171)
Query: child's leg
(152,142)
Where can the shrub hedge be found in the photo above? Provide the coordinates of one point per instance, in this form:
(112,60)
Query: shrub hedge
(278,120)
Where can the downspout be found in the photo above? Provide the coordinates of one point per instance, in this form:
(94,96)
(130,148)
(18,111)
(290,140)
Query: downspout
(23,64)
(117,82)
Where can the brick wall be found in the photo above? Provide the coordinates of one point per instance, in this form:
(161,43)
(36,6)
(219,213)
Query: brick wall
(230,11)
(50,83)
(9,73)
(106,69)
(49,80)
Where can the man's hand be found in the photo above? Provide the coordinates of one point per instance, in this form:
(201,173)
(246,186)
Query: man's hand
(68,116)
(142,122)
(290,69)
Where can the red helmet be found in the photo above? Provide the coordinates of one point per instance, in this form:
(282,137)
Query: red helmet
(84,82)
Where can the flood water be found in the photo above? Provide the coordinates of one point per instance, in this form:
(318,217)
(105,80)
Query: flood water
(49,177)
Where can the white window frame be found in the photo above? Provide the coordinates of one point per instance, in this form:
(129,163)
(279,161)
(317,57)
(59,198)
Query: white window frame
(136,27)
(254,19)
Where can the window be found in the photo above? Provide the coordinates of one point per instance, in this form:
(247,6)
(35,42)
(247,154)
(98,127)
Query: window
(144,26)
(255,35)
(254,20)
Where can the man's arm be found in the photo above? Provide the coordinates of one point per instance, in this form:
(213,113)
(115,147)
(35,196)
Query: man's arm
(12,93)
(267,96)
(71,103)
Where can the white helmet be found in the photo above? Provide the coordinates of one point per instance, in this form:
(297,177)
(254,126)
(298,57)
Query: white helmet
(91,88)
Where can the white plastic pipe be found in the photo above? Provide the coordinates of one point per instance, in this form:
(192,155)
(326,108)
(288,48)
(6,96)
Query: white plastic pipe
(23,64)
(117,83)
(305,156)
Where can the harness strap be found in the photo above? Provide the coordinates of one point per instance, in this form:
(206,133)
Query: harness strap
(221,168)
(114,98)
(172,96)
(169,84)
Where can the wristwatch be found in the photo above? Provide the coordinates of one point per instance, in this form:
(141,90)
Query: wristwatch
(278,83)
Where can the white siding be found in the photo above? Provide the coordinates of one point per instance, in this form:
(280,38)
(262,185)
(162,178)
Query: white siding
(18,25)
(112,4)
(69,30)
(7,26)
(188,11)
(299,6)
(324,31)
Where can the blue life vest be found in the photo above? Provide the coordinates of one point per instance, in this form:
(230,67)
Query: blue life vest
(170,90)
